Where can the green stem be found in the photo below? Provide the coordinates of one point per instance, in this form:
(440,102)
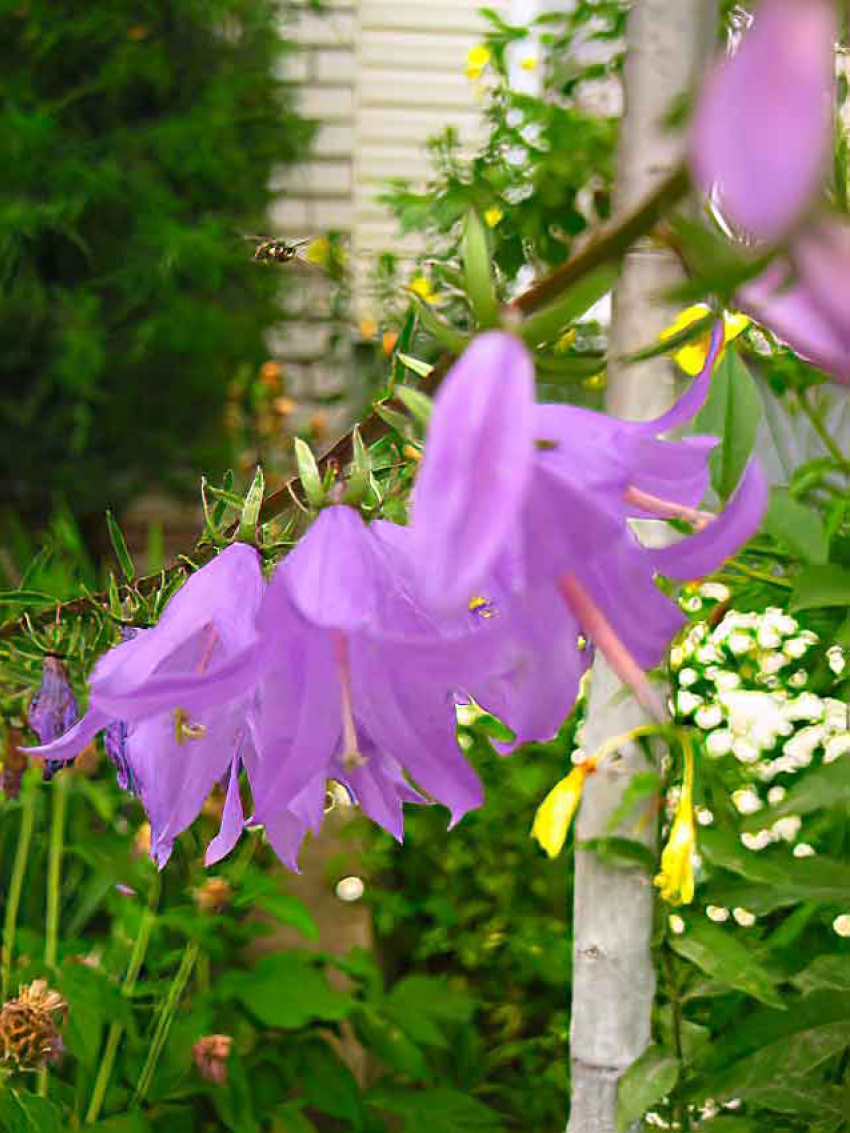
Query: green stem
(817,424)
(166,1018)
(54,868)
(676,1012)
(19,869)
(54,886)
(116,1030)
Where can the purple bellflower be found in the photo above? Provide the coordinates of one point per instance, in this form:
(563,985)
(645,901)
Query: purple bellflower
(536,500)
(802,300)
(356,681)
(762,130)
(175,701)
(53,709)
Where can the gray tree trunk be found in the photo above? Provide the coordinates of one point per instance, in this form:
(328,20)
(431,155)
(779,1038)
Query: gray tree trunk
(613,977)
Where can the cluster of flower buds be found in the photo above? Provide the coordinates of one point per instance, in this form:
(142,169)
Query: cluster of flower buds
(347,665)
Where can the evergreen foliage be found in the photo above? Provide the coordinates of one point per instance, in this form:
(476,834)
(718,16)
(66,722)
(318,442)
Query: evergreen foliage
(137,142)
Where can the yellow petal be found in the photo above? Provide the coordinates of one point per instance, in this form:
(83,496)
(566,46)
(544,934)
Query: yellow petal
(555,814)
(422,287)
(734,323)
(493,216)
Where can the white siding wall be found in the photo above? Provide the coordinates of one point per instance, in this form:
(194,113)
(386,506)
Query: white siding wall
(381,76)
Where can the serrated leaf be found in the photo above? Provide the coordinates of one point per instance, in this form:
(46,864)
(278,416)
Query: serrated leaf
(799,527)
(644,1084)
(285,990)
(723,957)
(478,272)
(308,473)
(732,414)
(819,587)
(419,404)
(119,546)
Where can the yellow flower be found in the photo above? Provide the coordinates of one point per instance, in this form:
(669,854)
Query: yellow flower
(421,286)
(555,814)
(676,879)
(565,341)
(493,215)
(368,328)
(691,357)
(477,59)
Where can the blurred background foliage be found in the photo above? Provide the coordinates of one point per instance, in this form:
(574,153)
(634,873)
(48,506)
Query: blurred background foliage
(138,142)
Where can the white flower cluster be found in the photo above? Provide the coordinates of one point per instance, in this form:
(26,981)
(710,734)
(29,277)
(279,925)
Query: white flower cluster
(743,683)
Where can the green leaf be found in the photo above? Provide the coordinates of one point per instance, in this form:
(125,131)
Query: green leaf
(251,508)
(643,786)
(28,1113)
(285,990)
(422,1005)
(329,1086)
(781,880)
(420,368)
(453,340)
(825,973)
(550,323)
(25,598)
(289,910)
(360,473)
(438,1110)
(800,528)
(818,587)
(393,418)
(792,1056)
(825,787)
(732,414)
(644,1084)
(418,403)
(478,272)
(308,472)
(125,1123)
(290,1119)
(119,546)
(723,957)
(622,852)
(93,1000)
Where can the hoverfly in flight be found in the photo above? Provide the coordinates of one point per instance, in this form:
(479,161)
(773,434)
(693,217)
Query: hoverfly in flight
(276,250)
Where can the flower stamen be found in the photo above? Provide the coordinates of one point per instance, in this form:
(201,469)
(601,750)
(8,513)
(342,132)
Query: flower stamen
(184,729)
(351,756)
(667,509)
(603,635)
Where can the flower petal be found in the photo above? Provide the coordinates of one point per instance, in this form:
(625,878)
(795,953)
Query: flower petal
(791,312)
(232,821)
(762,132)
(478,461)
(700,554)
